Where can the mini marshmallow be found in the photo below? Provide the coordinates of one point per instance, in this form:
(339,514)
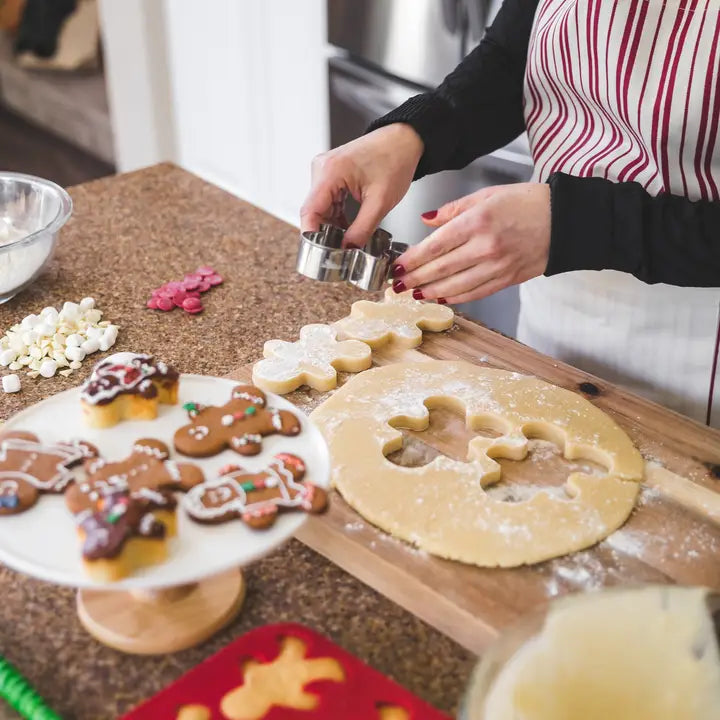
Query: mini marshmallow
(48,368)
(90,346)
(74,340)
(7,356)
(10,383)
(74,354)
(44,329)
(87,303)
(76,364)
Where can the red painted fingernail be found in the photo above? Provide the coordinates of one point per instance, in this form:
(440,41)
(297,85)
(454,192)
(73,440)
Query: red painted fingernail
(418,294)
(398,270)
(399,286)
(442,301)
(430,215)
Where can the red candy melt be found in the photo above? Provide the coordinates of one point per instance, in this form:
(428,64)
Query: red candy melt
(185,293)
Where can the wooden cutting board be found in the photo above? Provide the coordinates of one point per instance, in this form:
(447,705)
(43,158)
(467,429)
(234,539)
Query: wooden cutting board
(673,536)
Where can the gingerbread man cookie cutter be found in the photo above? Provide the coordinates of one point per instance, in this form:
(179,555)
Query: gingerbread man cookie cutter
(321,256)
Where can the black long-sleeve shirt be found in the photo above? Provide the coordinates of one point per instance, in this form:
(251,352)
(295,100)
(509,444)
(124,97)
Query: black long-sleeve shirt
(596,224)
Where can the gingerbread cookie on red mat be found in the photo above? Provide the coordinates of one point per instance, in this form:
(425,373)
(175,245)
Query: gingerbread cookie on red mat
(29,468)
(255,498)
(147,474)
(240,424)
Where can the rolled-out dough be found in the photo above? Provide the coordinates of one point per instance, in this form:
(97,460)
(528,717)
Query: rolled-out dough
(643,654)
(442,507)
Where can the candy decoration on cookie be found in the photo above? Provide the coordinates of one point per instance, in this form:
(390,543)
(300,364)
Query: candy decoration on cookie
(17,692)
(240,424)
(120,537)
(29,468)
(255,498)
(127,386)
(147,474)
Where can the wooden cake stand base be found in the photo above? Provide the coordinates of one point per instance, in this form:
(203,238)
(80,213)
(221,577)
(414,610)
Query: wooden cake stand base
(145,622)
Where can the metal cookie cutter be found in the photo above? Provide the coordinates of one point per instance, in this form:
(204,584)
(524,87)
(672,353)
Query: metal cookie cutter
(322,257)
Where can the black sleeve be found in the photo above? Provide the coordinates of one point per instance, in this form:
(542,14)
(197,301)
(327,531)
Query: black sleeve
(602,225)
(479,106)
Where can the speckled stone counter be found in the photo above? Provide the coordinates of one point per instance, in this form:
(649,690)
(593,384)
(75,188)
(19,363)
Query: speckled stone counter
(129,234)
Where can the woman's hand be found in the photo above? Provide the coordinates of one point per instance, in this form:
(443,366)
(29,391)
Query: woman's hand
(496,237)
(376,169)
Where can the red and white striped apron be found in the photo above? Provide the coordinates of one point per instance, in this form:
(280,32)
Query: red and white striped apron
(628,90)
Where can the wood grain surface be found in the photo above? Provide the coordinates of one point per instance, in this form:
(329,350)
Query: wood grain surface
(673,535)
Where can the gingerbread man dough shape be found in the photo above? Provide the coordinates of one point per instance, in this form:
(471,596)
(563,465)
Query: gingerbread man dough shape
(442,507)
(29,467)
(256,498)
(312,360)
(399,319)
(280,683)
(147,471)
(240,424)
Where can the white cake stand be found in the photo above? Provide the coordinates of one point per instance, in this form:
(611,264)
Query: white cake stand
(199,589)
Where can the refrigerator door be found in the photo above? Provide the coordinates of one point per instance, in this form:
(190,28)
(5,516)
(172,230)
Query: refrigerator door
(358,96)
(420,41)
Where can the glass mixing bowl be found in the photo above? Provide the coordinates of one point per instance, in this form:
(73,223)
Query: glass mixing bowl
(32,211)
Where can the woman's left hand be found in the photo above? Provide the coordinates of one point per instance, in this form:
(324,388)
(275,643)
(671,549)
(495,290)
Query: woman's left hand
(496,237)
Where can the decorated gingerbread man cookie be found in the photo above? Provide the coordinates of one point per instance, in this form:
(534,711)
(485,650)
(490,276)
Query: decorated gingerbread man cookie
(240,424)
(147,474)
(29,468)
(312,360)
(399,319)
(255,498)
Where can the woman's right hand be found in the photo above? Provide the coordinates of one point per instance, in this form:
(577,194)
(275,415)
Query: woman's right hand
(376,169)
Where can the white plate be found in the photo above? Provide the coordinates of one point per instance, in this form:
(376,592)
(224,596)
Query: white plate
(43,541)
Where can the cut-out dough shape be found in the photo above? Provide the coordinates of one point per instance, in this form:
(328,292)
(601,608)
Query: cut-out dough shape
(399,319)
(194,712)
(442,507)
(312,360)
(280,683)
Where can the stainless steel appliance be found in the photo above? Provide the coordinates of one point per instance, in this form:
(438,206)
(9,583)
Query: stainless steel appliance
(389,51)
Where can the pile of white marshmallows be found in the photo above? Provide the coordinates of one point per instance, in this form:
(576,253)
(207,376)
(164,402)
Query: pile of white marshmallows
(56,341)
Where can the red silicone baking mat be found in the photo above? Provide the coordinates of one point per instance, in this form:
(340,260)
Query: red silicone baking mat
(341,687)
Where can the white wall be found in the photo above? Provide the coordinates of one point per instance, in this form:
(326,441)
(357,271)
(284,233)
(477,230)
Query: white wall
(233,90)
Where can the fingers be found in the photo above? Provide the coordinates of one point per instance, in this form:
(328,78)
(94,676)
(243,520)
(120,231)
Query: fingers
(367,221)
(446,265)
(463,282)
(319,207)
(445,213)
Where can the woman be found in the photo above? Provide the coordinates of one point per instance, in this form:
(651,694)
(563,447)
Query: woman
(621,102)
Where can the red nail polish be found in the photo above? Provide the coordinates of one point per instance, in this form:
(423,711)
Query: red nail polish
(430,215)
(399,286)
(398,270)
(442,301)
(418,294)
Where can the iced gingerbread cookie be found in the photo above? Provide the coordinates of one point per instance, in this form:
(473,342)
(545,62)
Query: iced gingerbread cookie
(147,474)
(127,386)
(255,498)
(442,507)
(240,424)
(120,537)
(29,468)
(312,360)
(400,319)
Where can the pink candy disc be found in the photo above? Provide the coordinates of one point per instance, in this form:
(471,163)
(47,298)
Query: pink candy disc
(165,303)
(185,293)
(192,305)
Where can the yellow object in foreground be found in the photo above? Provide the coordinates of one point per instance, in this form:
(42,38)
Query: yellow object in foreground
(645,654)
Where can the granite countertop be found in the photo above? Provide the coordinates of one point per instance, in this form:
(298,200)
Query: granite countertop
(129,234)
